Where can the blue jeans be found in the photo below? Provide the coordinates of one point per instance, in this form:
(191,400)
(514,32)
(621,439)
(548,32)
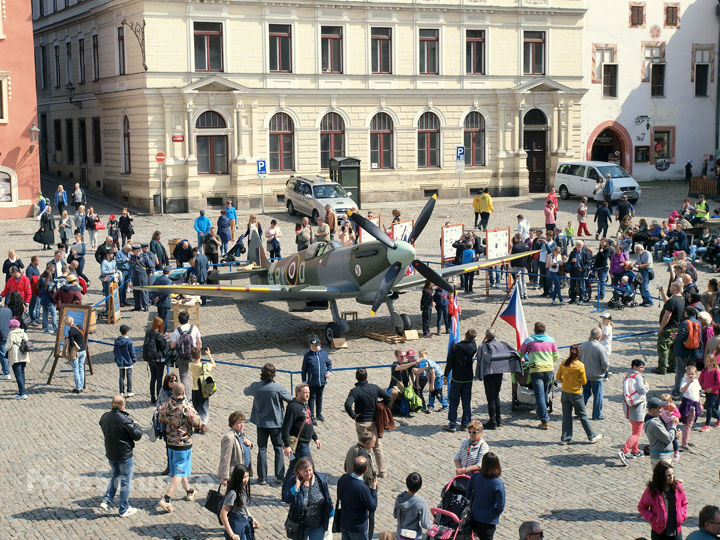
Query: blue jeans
(459,391)
(223,248)
(594,388)
(316,400)
(711,408)
(313,533)
(354,535)
(555,282)
(645,287)
(122,472)
(601,276)
(35,309)
(50,308)
(541,388)
(602,230)
(200,242)
(78,367)
(3,359)
(437,393)
(443,316)
(19,371)
(106,292)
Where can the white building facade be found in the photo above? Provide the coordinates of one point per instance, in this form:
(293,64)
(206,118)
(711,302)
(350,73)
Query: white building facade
(219,85)
(651,72)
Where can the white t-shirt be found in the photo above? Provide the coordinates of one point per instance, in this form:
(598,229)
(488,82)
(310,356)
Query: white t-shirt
(607,342)
(184,328)
(693,391)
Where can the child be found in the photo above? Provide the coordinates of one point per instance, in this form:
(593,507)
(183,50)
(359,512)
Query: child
(569,233)
(440,297)
(624,288)
(710,381)
(468,256)
(668,411)
(112,230)
(606,325)
(125,358)
(196,368)
(435,375)
(411,510)
(690,407)
(582,217)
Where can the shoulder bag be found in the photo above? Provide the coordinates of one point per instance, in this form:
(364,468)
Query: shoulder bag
(294,529)
(336,518)
(294,440)
(70,352)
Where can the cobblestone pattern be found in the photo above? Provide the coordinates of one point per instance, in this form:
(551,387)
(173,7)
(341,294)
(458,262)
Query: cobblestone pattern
(52,462)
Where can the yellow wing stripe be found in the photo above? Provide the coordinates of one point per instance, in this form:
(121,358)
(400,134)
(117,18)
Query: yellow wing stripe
(210,288)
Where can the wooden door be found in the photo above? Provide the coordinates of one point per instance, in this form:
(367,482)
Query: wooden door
(534,143)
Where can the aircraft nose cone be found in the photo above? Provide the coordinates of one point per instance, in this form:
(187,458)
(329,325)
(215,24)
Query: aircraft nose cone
(403,254)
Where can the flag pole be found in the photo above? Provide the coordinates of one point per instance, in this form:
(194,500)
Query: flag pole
(504,300)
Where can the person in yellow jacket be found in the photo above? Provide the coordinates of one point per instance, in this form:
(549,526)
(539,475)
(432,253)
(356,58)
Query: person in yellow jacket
(571,374)
(485,207)
(476,207)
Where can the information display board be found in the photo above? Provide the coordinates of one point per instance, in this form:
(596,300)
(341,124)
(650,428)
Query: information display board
(81,318)
(497,243)
(449,234)
(364,237)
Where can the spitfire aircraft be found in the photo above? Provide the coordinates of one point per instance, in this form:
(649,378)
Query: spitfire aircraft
(314,279)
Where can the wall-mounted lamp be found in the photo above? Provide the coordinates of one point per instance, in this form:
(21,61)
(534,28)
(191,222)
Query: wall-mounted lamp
(34,135)
(70,91)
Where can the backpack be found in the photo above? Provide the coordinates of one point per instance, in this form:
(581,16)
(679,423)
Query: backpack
(716,306)
(184,344)
(630,394)
(414,401)
(206,383)
(150,351)
(693,337)
(690,269)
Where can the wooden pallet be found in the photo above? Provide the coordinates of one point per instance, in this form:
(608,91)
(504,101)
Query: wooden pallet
(387,337)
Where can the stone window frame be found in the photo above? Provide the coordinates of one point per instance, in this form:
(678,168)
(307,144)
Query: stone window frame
(644,72)
(667,5)
(15,202)
(630,10)
(4,97)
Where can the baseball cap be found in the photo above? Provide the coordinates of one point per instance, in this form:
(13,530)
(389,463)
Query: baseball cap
(606,316)
(124,328)
(167,268)
(112,216)
(202,211)
(655,403)
(654,221)
(410,353)
(314,341)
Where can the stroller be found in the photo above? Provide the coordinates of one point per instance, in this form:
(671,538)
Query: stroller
(235,251)
(446,525)
(522,391)
(626,298)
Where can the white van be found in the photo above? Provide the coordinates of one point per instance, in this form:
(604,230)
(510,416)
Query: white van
(580,178)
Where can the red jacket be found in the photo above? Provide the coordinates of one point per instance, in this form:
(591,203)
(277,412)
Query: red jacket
(65,296)
(21,285)
(652,508)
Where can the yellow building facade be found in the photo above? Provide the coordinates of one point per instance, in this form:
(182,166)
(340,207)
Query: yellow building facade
(217,86)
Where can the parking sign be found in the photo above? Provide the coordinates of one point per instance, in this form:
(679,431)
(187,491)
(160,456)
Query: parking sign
(261,168)
(460,156)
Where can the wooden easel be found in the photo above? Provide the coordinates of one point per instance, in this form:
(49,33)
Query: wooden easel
(79,313)
(114,304)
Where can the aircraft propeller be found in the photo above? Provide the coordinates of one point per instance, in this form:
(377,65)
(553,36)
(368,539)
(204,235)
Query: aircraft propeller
(372,229)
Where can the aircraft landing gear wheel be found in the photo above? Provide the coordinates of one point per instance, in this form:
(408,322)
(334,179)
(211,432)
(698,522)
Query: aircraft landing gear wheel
(332,331)
(407,325)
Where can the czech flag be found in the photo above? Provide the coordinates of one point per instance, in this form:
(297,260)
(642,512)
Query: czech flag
(514,316)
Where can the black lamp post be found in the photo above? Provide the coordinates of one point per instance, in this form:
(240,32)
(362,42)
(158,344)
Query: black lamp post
(70,91)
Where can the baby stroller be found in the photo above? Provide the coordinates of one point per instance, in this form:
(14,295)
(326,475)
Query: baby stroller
(235,251)
(626,291)
(522,391)
(446,525)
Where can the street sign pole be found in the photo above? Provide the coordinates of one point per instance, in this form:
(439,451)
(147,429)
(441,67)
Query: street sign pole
(262,194)
(261,172)
(459,166)
(161,189)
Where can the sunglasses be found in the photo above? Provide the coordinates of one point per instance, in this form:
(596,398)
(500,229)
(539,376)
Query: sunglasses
(473,432)
(540,534)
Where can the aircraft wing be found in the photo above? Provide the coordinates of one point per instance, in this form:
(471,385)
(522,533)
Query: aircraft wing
(450,271)
(258,293)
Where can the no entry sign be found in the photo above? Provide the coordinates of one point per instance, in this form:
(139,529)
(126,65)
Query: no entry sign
(160,157)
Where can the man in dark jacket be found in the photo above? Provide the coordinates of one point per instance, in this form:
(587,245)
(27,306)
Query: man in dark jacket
(356,501)
(603,218)
(685,353)
(202,268)
(518,266)
(316,370)
(298,425)
(182,253)
(267,415)
(363,449)
(120,432)
(163,300)
(578,263)
(102,250)
(69,293)
(494,359)
(459,371)
(364,397)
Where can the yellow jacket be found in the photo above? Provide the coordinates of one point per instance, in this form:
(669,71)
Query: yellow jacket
(572,378)
(486,203)
(476,202)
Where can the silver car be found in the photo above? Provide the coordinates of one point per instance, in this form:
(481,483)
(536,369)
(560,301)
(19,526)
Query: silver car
(309,194)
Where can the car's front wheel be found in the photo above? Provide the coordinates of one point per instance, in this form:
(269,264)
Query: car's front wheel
(564,193)
(291,208)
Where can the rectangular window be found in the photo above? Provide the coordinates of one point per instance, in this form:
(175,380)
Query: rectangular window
(68,62)
(280,55)
(121,50)
(208,46)
(81,60)
(637,16)
(609,80)
(67,3)
(41,12)
(2,100)
(429,53)
(657,80)
(96,58)
(671,16)
(97,144)
(69,141)
(534,53)
(57,135)
(702,78)
(212,155)
(475,52)
(664,140)
(331,45)
(57,66)
(43,67)
(82,140)
(381,50)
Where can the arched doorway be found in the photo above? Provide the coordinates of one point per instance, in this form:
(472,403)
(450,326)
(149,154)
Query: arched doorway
(535,145)
(608,146)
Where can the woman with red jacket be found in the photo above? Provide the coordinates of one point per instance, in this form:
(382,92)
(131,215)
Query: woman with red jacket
(664,504)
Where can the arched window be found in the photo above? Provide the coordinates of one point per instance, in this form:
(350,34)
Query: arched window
(474,139)
(535,117)
(211,149)
(428,141)
(126,146)
(332,138)
(381,142)
(282,156)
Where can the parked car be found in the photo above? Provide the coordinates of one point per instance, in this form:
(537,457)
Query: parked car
(309,194)
(580,178)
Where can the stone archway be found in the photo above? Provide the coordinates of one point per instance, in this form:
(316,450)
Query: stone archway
(608,138)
